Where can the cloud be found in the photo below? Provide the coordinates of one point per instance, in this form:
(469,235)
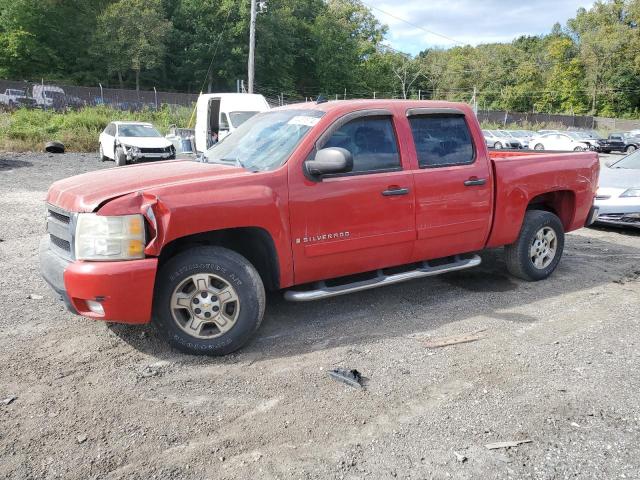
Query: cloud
(469,21)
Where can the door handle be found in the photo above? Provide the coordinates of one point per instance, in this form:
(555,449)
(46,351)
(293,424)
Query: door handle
(395,191)
(473,181)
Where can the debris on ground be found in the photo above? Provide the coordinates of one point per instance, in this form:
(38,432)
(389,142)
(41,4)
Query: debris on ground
(514,443)
(454,340)
(81,438)
(54,147)
(9,400)
(350,377)
(460,457)
(35,296)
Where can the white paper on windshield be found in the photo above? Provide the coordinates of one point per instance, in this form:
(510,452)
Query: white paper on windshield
(303,120)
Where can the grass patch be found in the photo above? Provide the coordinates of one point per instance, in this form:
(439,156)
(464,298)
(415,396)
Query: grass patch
(29,130)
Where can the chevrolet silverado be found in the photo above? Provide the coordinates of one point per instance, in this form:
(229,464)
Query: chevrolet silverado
(315,199)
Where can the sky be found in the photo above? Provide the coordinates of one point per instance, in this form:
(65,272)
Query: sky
(468,21)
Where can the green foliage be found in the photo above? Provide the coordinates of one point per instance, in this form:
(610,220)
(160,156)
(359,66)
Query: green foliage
(308,47)
(78,130)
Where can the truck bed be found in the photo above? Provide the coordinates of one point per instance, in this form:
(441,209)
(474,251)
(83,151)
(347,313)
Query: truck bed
(522,178)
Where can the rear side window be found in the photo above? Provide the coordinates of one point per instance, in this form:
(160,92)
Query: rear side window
(442,140)
(371,141)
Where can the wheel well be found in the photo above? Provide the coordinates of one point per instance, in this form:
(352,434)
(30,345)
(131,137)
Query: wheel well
(561,203)
(253,243)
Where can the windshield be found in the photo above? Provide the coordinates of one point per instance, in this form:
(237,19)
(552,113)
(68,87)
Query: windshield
(578,135)
(138,131)
(631,162)
(238,118)
(265,141)
(50,94)
(15,92)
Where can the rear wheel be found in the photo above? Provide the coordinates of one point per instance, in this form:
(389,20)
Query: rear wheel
(631,149)
(498,146)
(537,252)
(120,156)
(579,149)
(208,301)
(538,146)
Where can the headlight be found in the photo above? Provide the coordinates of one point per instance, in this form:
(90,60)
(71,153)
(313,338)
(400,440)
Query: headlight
(132,150)
(632,192)
(109,238)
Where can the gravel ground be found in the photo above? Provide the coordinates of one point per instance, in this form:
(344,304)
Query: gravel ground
(558,365)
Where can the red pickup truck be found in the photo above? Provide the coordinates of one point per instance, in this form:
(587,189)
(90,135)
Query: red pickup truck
(317,199)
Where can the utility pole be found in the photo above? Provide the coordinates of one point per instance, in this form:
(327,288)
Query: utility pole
(252,45)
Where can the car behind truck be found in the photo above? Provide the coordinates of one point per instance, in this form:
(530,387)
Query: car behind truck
(317,200)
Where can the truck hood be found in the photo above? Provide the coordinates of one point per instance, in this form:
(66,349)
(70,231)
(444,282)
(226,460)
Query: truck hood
(145,142)
(86,192)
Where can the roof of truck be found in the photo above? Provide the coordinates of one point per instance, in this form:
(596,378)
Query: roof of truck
(365,104)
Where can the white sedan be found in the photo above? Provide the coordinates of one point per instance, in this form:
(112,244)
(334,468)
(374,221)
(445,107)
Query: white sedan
(129,142)
(558,141)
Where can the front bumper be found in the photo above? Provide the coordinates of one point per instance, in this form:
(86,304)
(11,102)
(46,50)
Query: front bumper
(620,220)
(124,289)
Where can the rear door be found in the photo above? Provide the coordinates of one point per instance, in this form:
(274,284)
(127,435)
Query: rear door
(453,184)
(360,221)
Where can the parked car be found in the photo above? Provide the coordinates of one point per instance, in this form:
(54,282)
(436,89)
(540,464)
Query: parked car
(497,140)
(519,135)
(15,97)
(546,132)
(559,142)
(586,138)
(218,114)
(618,197)
(129,142)
(631,141)
(301,199)
(613,143)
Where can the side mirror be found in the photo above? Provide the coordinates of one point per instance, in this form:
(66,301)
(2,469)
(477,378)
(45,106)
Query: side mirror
(330,160)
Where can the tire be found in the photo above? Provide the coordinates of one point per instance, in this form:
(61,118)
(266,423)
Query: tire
(101,155)
(120,157)
(520,255)
(579,149)
(199,278)
(539,147)
(630,149)
(497,146)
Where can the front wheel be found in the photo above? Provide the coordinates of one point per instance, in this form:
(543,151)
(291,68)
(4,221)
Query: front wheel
(631,149)
(121,157)
(208,301)
(537,251)
(579,149)
(539,147)
(498,146)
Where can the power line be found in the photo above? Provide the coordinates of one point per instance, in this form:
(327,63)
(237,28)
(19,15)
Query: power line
(419,27)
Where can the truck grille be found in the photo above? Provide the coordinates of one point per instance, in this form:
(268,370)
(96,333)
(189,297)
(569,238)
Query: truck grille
(59,228)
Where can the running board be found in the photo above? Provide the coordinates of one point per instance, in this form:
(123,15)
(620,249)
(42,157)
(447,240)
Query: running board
(322,290)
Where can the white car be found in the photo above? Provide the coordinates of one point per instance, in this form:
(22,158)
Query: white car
(129,142)
(558,141)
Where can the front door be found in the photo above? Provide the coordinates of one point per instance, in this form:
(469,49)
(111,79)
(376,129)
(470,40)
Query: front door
(360,221)
(453,185)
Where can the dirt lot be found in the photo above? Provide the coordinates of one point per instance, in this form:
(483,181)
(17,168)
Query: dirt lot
(558,366)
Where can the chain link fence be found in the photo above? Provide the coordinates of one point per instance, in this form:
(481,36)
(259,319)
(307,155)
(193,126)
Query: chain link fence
(49,95)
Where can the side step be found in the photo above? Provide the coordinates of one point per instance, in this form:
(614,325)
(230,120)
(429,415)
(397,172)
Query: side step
(322,290)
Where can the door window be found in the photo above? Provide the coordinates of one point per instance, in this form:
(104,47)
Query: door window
(442,140)
(371,141)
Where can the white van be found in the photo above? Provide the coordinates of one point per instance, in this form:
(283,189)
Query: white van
(218,114)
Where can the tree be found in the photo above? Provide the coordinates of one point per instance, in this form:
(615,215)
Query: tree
(131,35)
